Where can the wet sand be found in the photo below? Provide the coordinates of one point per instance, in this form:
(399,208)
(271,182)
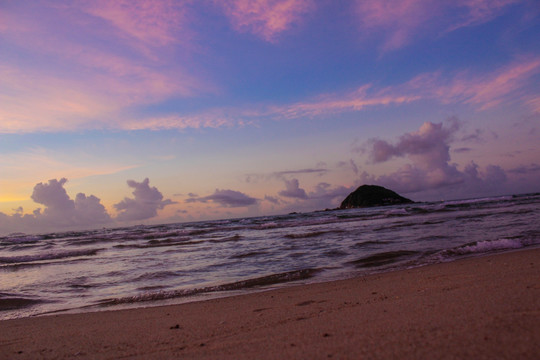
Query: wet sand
(481,308)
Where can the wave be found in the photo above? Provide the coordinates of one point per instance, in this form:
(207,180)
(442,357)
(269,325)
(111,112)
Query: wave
(157,275)
(335,253)
(477,200)
(397,212)
(487,246)
(239,285)
(383,258)
(395,226)
(20,238)
(49,256)
(248,254)
(226,239)
(161,235)
(367,243)
(310,234)
(526,196)
(429,238)
(14,302)
(159,243)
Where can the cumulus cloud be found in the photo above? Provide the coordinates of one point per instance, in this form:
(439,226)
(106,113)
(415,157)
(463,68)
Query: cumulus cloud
(55,198)
(430,172)
(324,195)
(89,210)
(429,151)
(428,147)
(293,190)
(227,198)
(60,211)
(327,196)
(145,203)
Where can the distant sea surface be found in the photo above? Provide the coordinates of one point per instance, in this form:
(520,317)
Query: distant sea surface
(155,265)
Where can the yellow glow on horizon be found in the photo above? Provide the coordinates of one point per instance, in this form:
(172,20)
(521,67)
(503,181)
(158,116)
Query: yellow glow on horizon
(12,198)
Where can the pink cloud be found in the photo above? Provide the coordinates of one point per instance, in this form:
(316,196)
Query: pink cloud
(153,23)
(534,103)
(210,119)
(88,71)
(35,101)
(353,101)
(132,81)
(404,20)
(496,88)
(400,19)
(105,85)
(483,90)
(480,11)
(54,100)
(266,18)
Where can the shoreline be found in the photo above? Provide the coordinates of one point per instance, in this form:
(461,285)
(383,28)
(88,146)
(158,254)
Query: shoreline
(481,307)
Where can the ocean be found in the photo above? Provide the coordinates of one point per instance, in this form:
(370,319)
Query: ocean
(155,265)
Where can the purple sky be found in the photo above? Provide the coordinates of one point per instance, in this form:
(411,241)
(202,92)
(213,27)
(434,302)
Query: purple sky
(115,113)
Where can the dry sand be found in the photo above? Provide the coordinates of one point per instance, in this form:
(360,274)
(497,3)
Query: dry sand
(475,308)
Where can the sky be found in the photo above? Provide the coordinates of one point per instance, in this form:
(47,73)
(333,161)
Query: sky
(123,112)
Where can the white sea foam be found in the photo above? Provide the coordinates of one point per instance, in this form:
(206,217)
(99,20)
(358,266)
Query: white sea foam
(46,256)
(396,212)
(491,245)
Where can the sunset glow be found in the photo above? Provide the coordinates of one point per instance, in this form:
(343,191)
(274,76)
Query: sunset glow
(114,113)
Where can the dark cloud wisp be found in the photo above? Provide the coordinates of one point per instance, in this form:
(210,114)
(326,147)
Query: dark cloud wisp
(227,198)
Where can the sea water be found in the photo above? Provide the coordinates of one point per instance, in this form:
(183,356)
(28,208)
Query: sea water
(154,265)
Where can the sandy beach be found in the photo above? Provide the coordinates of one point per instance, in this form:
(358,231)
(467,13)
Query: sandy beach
(481,308)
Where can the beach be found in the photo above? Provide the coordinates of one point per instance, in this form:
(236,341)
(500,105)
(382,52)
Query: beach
(482,307)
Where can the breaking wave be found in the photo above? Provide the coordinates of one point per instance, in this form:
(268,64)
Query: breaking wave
(238,285)
(489,246)
(383,258)
(44,257)
(14,302)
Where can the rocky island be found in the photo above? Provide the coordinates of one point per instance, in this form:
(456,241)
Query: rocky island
(372,195)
